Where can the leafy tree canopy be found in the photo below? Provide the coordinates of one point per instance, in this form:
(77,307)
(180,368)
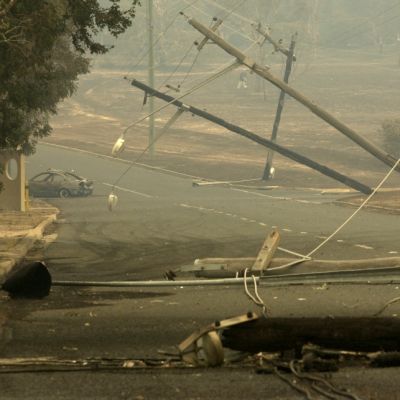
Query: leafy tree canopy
(44,47)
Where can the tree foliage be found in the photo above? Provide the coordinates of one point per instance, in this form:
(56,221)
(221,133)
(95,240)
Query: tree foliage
(44,47)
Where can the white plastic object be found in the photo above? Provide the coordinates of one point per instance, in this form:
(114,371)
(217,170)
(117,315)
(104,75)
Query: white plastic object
(271,172)
(212,349)
(118,146)
(112,201)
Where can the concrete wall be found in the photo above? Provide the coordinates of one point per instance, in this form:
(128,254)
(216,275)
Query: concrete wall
(12,196)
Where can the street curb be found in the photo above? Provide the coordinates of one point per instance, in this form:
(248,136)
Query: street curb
(369,206)
(25,244)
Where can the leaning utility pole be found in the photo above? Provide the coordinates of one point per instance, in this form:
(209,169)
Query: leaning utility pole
(256,138)
(314,108)
(289,62)
(278,48)
(150,74)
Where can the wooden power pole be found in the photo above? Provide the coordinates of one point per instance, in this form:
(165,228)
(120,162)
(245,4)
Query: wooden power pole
(314,108)
(256,138)
(279,110)
(150,29)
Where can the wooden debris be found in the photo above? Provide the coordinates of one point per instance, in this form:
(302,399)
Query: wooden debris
(267,251)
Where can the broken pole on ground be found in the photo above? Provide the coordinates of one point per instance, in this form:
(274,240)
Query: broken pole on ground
(314,108)
(31,280)
(264,256)
(345,333)
(288,69)
(256,138)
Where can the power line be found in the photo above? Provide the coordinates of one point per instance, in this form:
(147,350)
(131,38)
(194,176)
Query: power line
(177,66)
(197,87)
(231,12)
(225,25)
(160,36)
(346,38)
(228,13)
(354,28)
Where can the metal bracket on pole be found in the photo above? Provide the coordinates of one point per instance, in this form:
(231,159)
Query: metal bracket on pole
(214,28)
(277,45)
(185,107)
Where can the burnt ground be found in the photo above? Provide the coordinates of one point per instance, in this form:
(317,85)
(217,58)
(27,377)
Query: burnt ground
(360,88)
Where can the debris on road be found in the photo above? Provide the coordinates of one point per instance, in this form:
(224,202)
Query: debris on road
(204,346)
(31,280)
(367,334)
(266,266)
(20,231)
(267,251)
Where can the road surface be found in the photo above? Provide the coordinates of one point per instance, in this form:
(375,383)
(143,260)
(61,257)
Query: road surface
(162,222)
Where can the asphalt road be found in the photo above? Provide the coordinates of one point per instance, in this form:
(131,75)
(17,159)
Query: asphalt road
(161,222)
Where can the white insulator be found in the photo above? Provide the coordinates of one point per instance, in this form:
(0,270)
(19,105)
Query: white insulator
(271,172)
(112,201)
(118,146)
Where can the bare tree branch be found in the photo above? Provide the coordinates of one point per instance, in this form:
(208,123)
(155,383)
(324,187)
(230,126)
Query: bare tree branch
(7,8)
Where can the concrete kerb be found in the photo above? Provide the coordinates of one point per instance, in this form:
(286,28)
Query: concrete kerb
(24,244)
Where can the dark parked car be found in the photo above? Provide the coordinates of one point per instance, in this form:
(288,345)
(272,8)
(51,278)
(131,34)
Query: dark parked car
(59,183)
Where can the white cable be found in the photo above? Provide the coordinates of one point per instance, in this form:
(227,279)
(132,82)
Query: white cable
(308,256)
(233,9)
(190,91)
(231,12)
(291,264)
(264,307)
(152,45)
(225,25)
(197,87)
(215,74)
(357,211)
(293,253)
(226,69)
(256,300)
(212,183)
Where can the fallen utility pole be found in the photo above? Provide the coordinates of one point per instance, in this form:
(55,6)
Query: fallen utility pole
(288,69)
(344,333)
(389,275)
(314,108)
(258,139)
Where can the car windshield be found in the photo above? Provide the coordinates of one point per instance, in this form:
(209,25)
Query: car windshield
(42,177)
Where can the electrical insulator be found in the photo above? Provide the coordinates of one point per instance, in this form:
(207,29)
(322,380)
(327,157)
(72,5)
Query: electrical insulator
(112,201)
(118,146)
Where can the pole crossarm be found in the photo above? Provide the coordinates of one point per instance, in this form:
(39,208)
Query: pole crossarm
(277,46)
(214,28)
(256,138)
(313,107)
